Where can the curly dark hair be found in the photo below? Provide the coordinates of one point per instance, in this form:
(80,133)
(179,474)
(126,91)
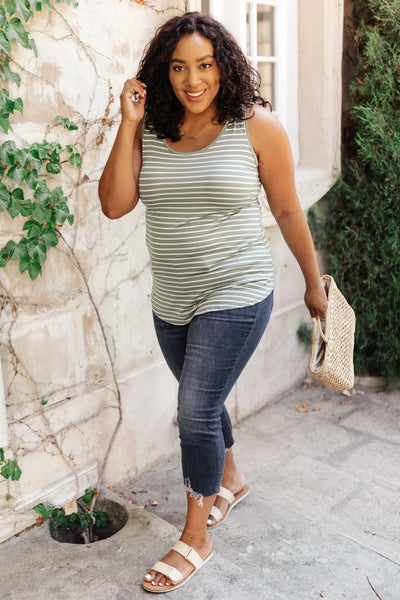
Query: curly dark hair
(239,82)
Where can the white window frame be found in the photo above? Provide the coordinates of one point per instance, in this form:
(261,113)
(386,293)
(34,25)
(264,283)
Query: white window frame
(232,13)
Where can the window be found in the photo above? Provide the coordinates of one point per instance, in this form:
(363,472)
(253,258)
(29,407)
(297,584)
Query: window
(260,44)
(267,32)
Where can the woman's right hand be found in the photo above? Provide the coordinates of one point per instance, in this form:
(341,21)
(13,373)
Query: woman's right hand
(131,110)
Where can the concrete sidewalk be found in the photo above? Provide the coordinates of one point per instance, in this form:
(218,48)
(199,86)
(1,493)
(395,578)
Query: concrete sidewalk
(322,519)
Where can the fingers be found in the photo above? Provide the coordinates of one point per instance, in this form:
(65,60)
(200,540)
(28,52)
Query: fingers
(316,303)
(134,89)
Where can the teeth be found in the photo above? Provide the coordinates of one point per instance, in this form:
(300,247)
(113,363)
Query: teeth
(195,94)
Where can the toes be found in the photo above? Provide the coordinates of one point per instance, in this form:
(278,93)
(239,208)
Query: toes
(157,579)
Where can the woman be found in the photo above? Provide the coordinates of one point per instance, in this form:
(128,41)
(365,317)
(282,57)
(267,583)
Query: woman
(196,140)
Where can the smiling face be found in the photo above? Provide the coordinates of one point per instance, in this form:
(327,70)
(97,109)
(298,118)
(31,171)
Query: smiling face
(194,73)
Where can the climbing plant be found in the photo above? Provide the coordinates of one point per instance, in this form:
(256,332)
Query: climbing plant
(24,190)
(360,231)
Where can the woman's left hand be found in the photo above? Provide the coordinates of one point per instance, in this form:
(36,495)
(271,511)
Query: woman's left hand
(316,301)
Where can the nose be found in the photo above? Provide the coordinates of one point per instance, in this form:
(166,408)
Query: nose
(192,78)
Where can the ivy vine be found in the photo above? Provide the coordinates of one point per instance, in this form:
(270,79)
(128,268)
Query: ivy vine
(27,193)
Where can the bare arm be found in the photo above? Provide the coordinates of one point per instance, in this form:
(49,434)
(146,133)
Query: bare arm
(276,169)
(118,185)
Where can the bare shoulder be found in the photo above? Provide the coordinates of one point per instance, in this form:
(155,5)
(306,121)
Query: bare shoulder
(265,129)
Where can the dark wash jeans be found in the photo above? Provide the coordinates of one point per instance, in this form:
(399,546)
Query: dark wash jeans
(207,356)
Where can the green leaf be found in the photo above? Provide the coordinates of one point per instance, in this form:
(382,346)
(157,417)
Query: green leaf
(8,73)
(32,179)
(34,269)
(22,248)
(101,518)
(19,105)
(5,45)
(75,159)
(7,152)
(70,125)
(24,264)
(5,124)
(46,4)
(23,9)
(49,237)
(57,196)
(3,262)
(1,455)
(40,252)
(23,206)
(10,6)
(45,511)
(19,6)
(40,213)
(4,197)
(32,46)
(33,228)
(15,31)
(9,250)
(13,208)
(88,496)
(62,212)
(42,192)
(15,254)
(11,470)
(17,194)
(16,173)
(3,18)
(53,168)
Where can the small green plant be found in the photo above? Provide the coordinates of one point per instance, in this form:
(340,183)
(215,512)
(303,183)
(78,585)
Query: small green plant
(84,519)
(9,469)
(304,334)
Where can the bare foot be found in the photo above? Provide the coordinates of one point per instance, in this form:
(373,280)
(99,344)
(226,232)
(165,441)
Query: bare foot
(202,545)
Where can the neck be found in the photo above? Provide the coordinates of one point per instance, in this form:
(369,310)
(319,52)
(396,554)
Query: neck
(194,125)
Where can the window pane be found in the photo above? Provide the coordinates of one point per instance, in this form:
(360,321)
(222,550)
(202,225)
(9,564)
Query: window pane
(265,30)
(266,71)
(205,7)
(248,33)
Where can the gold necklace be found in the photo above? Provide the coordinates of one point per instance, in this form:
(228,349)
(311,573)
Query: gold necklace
(194,137)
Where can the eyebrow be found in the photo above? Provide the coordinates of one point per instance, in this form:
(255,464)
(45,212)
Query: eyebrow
(178,60)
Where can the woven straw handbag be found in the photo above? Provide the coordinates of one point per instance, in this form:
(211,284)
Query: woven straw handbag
(332,346)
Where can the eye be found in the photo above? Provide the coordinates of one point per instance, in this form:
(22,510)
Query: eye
(206,65)
(177,68)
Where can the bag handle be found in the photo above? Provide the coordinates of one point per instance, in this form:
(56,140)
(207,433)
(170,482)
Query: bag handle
(322,334)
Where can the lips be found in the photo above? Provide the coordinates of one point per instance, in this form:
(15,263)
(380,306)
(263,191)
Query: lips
(195,96)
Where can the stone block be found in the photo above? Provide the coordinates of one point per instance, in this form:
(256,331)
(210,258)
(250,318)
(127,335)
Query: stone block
(148,431)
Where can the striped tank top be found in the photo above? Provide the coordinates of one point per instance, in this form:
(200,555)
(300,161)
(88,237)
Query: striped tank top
(204,234)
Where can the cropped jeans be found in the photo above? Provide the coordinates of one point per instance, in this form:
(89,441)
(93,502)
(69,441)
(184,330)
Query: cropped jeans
(207,356)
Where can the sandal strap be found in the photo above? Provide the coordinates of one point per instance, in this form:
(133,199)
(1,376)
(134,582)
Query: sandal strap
(171,572)
(226,494)
(189,554)
(216,513)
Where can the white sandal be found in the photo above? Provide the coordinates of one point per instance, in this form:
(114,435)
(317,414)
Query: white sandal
(190,554)
(232,499)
